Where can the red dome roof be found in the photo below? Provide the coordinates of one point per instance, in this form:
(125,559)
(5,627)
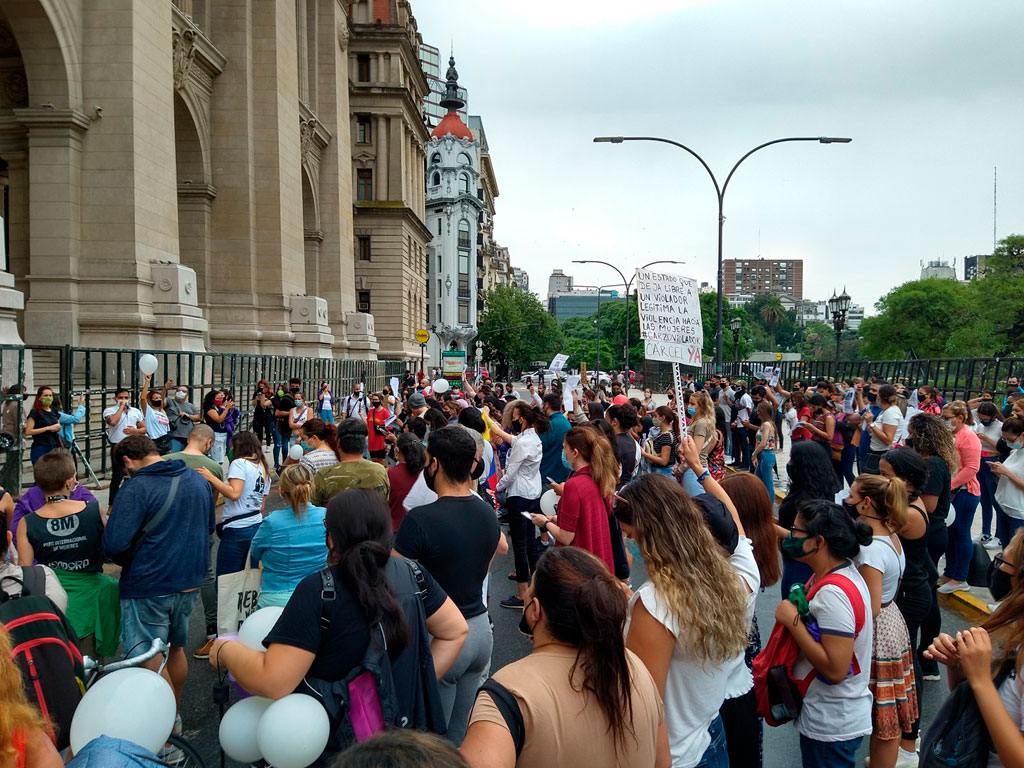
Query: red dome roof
(452,124)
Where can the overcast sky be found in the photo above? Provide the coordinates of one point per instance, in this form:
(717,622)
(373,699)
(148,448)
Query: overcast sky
(932,94)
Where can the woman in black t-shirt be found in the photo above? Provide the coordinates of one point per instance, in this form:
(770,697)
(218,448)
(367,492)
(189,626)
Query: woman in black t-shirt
(43,423)
(372,588)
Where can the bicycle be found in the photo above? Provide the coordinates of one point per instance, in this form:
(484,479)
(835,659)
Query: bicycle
(181,753)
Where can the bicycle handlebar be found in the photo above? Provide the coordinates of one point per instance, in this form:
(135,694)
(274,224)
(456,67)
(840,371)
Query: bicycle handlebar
(157,647)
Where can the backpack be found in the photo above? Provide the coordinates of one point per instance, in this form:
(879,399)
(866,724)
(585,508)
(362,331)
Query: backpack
(958,735)
(45,648)
(779,694)
(368,700)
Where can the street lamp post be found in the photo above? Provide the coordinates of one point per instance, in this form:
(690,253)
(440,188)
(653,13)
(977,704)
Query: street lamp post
(597,324)
(735,325)
(626,283)
(838,306)
(720,192)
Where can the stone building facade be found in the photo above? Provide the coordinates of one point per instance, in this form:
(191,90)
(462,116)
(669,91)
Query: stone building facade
(185,175)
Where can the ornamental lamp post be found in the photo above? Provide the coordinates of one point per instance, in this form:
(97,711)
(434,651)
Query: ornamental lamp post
(735,325)
(838,306)
(720,194)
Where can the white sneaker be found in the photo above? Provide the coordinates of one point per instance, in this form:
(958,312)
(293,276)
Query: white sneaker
(907,759)
(993,543)
(949,588)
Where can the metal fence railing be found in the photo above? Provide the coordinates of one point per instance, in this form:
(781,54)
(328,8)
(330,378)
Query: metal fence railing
(98,373)
(955,378)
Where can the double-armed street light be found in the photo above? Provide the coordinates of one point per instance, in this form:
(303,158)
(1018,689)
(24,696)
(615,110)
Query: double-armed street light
(720,193)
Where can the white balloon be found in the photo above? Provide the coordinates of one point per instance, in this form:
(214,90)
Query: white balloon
(147,364)
(238,729)
(257,626)
(441,386)
(293,731)
(134,704)
(295,452)
(549,503)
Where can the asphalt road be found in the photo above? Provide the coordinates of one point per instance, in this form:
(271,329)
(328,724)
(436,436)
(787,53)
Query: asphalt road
(781,745)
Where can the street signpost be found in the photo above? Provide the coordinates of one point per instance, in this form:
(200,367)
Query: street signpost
(422,336)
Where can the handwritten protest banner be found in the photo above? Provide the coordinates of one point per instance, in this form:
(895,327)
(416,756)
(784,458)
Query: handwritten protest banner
(670,320)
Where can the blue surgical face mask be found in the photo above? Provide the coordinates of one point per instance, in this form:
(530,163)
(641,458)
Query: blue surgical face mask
(1015,446)
(565,462)
(298,401)
(306,446)
(690,411)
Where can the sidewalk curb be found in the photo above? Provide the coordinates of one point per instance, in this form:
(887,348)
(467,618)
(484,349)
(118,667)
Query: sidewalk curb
(967,605)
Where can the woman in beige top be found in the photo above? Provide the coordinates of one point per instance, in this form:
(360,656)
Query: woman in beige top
(583,697)
(702,430)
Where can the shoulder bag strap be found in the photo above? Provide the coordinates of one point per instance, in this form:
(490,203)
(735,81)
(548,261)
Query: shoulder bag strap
(852,594)
(156,519)
(327,595)
(33,580)
(421,582)
(509,709)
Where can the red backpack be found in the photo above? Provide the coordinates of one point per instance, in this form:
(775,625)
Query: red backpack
(779,693)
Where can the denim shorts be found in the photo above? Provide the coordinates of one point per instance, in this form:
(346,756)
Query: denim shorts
(163,616)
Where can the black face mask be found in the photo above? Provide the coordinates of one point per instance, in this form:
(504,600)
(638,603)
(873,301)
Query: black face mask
(429,477)
(524,625)
(999,583)
(872,397)
(478,469)
(516,428)
(850,509)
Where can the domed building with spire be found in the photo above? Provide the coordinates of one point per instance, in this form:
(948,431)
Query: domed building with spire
(453,213)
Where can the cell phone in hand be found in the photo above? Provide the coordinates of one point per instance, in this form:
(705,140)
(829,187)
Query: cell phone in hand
(527,516)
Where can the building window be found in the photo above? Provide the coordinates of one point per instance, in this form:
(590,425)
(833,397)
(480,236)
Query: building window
(464,184)
(363,123)
(435,179)
(364,184)
(464,159)
(363,248)
(464,312)
(463,234)
(363,302)
(439,225)
(428,314)
(363,67)
(435,159)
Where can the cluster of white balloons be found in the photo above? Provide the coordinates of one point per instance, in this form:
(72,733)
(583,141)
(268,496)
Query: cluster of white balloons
(288,733)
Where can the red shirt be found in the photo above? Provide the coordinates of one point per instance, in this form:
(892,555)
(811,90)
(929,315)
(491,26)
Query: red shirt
(806,417)
(584,512)
(401,480)
(376,418)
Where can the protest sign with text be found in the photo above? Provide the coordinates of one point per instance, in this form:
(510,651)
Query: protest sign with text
(670,319)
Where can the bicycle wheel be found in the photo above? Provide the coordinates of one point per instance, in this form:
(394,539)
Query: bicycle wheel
(182,754)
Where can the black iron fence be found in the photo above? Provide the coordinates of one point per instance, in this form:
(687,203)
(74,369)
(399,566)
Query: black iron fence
(955,378)
(98,373)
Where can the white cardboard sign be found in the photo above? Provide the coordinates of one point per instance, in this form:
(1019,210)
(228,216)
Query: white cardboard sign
(558,363)
(670,319)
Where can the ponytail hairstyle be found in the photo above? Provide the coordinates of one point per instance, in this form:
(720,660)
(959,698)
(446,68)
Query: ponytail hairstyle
(909,467)
(669,419)
(359,534)
(532,415)
(597,452)
(412,451)
(297,488)
(584,606)
(246,445)
(887,395)
(689,569)
(843,535)
(888,496)
(16,714)
(958,408)
(325,432)
(754,506)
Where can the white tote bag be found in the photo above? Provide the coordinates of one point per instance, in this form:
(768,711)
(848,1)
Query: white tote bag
(237,595)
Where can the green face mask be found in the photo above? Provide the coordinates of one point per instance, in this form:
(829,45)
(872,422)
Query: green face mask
(46,400)
(793,546)
(280,393)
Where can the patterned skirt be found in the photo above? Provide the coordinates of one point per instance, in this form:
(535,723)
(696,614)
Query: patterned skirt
(892,676)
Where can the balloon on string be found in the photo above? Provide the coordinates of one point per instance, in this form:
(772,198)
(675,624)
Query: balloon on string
(147,364)
(295,452)
(441,386)
(238,728)
(549,503)
(293,731)
(257,626)
(134,704)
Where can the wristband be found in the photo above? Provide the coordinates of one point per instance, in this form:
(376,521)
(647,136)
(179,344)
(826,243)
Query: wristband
(704,476)
(549,522)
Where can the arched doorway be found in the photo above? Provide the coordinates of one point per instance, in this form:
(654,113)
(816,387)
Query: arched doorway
(313,236)
(195,198)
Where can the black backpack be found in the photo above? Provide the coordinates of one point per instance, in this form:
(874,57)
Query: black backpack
(45,648)
(958,736)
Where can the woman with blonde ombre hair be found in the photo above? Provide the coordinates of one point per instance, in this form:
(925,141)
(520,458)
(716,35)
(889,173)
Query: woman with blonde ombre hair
(965,493)
(882,503)
(24,742)
(702,430)
(689,622)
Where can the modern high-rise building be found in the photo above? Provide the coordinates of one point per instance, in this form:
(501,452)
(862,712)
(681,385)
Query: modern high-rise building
(757,277)
(520,278)
(580,303)
(559,282)
(974,266)
(433,112)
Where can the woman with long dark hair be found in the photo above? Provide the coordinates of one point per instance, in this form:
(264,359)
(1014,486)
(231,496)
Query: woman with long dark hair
(374,594)
(660,452)
(810,477)
(412,457)
(521,482)
(216,408)
(689,622)
(585,698)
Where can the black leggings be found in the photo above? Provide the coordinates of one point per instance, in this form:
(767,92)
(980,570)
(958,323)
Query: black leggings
(525,549)
(915,606)
(938,537)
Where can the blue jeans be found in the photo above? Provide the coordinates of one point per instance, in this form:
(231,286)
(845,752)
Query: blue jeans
(280,447)
(765,465)
(39,450)
(690,484)
(234,548)
(717,753)
(988,493)
(961,547)
(327,415)
(166,616)
(833,754)
(1006,526)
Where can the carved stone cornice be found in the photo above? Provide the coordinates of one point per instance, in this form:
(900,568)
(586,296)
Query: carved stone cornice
(313,138)
(195,60)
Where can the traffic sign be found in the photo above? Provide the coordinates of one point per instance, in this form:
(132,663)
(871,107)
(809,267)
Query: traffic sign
(778,355)
(422,336)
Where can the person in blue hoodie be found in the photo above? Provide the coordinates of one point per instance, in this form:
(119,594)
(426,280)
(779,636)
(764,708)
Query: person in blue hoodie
(164,557)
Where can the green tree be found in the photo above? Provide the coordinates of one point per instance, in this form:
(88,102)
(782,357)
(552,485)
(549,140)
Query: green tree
(1007,258)
(516,329)
(918,316)
(771,312)
(819,342)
